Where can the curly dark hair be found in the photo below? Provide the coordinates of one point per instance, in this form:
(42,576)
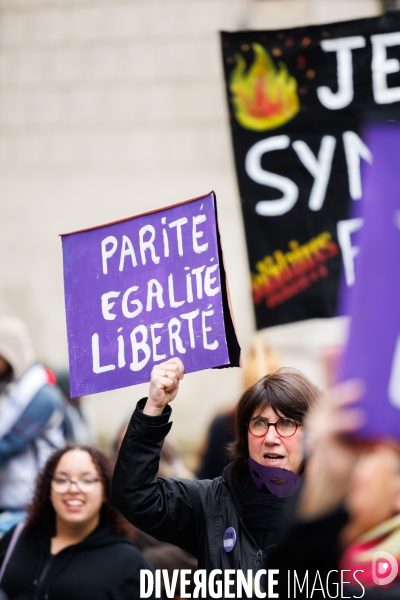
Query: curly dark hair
(41,512)
(287,391)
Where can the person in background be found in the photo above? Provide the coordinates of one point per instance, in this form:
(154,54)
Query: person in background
(77,422)
(73,545)
(215,454)
(349,506)
(161,555)
(31,419)
(260,361)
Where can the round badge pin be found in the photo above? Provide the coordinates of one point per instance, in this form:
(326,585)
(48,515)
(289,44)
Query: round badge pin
(229,539)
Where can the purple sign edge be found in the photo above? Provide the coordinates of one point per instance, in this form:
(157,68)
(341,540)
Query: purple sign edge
(370,345)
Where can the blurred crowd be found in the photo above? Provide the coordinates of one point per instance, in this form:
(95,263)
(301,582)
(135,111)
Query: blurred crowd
(60,537)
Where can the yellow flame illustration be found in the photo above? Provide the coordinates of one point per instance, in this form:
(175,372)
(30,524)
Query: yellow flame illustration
(266,96)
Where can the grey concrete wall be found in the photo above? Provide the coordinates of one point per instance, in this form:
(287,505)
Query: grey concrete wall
(112,107)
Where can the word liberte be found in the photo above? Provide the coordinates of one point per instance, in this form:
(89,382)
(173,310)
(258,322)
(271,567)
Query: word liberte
(199,282)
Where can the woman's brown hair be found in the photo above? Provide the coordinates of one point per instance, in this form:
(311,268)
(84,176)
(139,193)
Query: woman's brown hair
(287,391)
(41,512)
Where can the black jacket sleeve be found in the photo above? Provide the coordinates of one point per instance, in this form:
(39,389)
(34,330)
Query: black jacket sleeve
(168,509)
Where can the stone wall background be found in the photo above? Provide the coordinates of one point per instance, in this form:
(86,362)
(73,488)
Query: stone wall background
(112,107)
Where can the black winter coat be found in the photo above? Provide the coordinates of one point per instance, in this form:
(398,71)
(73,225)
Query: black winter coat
(104,566)
(193,515)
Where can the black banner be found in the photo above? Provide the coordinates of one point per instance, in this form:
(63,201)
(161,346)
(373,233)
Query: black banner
(297,99)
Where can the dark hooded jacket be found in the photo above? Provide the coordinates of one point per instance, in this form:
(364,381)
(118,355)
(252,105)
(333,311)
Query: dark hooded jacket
(193,515)
(104,566)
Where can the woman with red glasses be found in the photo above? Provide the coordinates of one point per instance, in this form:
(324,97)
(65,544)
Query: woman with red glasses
(232,521)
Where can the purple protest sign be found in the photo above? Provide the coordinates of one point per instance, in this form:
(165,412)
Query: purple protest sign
(142,290)
(373,350)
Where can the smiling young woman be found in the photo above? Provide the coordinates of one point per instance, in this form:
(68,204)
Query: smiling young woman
(73,544)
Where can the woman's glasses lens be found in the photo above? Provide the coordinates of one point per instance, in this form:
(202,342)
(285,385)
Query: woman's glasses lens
(61,484)
(284,427)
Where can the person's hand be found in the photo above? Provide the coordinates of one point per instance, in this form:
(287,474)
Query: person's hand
(164,385)
(332,457)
